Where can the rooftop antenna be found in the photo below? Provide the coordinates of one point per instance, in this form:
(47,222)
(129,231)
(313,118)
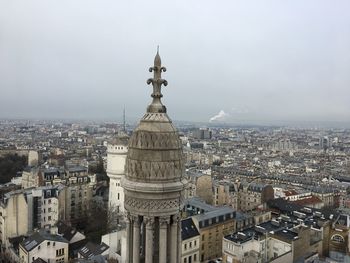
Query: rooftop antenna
(124,126)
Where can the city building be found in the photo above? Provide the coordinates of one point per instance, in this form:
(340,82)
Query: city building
(190,241)
(253,195)
(202,134)
(44,246)
(213,226)
(23,211)
(255,245)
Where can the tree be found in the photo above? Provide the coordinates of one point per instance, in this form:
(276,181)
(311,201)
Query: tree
(99,170)
(10,164)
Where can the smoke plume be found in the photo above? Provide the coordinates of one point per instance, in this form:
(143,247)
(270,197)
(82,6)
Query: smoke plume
(221,116)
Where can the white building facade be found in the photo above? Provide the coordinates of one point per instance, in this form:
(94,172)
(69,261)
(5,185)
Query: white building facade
(48,247)
(117,150)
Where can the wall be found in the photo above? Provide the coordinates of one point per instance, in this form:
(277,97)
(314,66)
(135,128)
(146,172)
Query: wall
(45,252)
(190,250)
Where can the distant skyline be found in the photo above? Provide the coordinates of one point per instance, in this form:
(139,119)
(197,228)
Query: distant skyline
(228,61)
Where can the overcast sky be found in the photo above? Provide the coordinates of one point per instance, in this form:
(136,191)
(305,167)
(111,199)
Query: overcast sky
(239,60)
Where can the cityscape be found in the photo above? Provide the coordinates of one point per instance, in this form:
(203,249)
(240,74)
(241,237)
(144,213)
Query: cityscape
(247,161)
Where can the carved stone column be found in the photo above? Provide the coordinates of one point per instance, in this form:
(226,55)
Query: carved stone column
(143,240)
(163,229)
(174,237)
(136,240)
(149,221)
(129,238)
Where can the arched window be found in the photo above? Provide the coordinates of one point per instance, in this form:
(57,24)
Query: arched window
(338,238)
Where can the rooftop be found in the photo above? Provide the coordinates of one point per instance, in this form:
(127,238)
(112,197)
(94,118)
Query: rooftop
(37,238)
(188,229)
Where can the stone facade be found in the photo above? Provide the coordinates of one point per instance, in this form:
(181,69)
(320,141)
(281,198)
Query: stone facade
(154,183)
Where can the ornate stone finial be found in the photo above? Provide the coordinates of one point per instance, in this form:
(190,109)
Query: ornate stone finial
(156,106)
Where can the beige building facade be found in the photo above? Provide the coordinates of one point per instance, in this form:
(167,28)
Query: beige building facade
(213,226)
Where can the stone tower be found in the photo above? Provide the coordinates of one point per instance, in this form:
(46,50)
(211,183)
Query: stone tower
(117,150)
(154,183)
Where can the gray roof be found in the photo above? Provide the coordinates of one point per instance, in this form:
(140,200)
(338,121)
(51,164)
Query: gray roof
(65,230)
(90,250)
(199,203)
(73,169)
(216,216)
(37,238)
(243,236)
(287,234)
(188,229)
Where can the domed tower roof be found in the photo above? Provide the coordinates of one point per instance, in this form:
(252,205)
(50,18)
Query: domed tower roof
(119,139)
(154,169)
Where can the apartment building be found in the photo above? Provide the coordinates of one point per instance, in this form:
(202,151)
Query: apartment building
(45,246)
(25,210)
(213,226)
(190,239)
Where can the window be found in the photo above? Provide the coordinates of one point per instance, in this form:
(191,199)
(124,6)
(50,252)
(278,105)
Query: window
(190,244)
(48,243)
(338,238)
(60,252)
(185,246)
(118,196)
